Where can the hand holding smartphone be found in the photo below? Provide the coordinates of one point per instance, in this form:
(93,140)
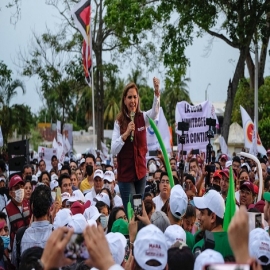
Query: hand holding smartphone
(137,205)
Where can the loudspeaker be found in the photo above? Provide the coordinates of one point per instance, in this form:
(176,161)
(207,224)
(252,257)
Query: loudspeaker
(20,148)
(16,164)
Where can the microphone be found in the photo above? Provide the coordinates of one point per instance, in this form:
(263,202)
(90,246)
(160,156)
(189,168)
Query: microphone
(132,115)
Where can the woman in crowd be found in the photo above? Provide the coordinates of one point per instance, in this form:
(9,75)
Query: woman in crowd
(117,213)
(74,180)
(129,141)
(45,178)
(28,189)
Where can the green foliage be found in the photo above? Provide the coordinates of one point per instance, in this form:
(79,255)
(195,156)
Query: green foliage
(35,139)
(264,127)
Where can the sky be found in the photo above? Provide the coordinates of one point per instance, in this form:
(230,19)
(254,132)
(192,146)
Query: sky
(211,72)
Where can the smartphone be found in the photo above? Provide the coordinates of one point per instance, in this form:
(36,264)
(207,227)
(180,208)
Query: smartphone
(184,153)
(137,205)
(228,266)
(76,248)
(195,152)
(258,221)
(153,153)
(58,195)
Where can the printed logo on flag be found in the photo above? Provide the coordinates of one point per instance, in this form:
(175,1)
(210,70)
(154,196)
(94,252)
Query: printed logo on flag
(249,133)
(150,130)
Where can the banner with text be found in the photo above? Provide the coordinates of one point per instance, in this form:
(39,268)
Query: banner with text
(46,154)
(196,137)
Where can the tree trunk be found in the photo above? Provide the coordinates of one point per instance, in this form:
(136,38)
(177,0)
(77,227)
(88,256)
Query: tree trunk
(238,74)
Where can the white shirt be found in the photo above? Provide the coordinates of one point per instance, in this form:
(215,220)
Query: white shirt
(158,202)
(90,196)
(117,142)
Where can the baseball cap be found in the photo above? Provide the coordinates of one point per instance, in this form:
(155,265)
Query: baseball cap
(211,200)
(248,185)
(225,172)
(208,256)
(91,213)
(266,196)
(246,165)
(259,245)
(62,218)
(174,233)
(54,184)
(77,208)
(78,223)
(98,173)
(65,196)
(3,179)
(15,179)
(34,179)
(150,244)
(103,197)
(224,156)
(120,226)
(109,176)
(118,202)
(217,174)
(77,195)
(117,244)
(82,161)
(228,163)
(54,177)
(178,201)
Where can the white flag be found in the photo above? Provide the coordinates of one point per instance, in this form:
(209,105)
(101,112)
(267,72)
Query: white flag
(253,149)
(162,125)
(55,144)
(223,146)
(1,138)
(248,128)
(58,129)
(104,149)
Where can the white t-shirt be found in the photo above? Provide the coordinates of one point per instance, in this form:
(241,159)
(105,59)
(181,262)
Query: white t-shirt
(158,202)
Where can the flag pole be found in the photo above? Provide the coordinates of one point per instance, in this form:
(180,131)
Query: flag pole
(92,80)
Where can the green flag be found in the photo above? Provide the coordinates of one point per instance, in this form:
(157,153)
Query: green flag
(230,203)
(129,210)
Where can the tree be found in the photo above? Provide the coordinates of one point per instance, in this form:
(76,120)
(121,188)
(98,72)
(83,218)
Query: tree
(8,89)
(234,22)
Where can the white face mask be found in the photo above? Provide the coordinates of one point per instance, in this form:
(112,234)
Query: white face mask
(19,194)
(104,221)
(152,168)
(108,185)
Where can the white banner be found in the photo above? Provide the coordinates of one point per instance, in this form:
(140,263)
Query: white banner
(223,146)
(248,128)
(162,125)
(46,154)
(196,137)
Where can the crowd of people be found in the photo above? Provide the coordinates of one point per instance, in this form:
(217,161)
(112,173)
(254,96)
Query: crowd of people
(78,215)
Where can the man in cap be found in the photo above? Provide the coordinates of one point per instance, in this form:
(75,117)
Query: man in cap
(165,190)
(217,177)
(222,160)
(247,194)
(17,209)
(98,185)
(224,183)
(212,208)
(109,182)
(90,166)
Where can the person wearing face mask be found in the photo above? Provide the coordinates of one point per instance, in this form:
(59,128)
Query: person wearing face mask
(17,209)
(90,166)
(3,192)
(109,182)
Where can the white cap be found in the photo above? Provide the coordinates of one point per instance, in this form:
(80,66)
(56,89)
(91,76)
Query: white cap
(34,178)
(54,177)
(208,256)
(211,200)
(65,196)
(54,184)
(78,223)
(150,244)
(228,163)
(103,197)
(109,176)
(82,161)
(245,165)
(77,195)
(117,244)
(3,179)
(62,218)
(178,201)
(259,245)
(118,202)
(174,233)
(98,173)
(91,213)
